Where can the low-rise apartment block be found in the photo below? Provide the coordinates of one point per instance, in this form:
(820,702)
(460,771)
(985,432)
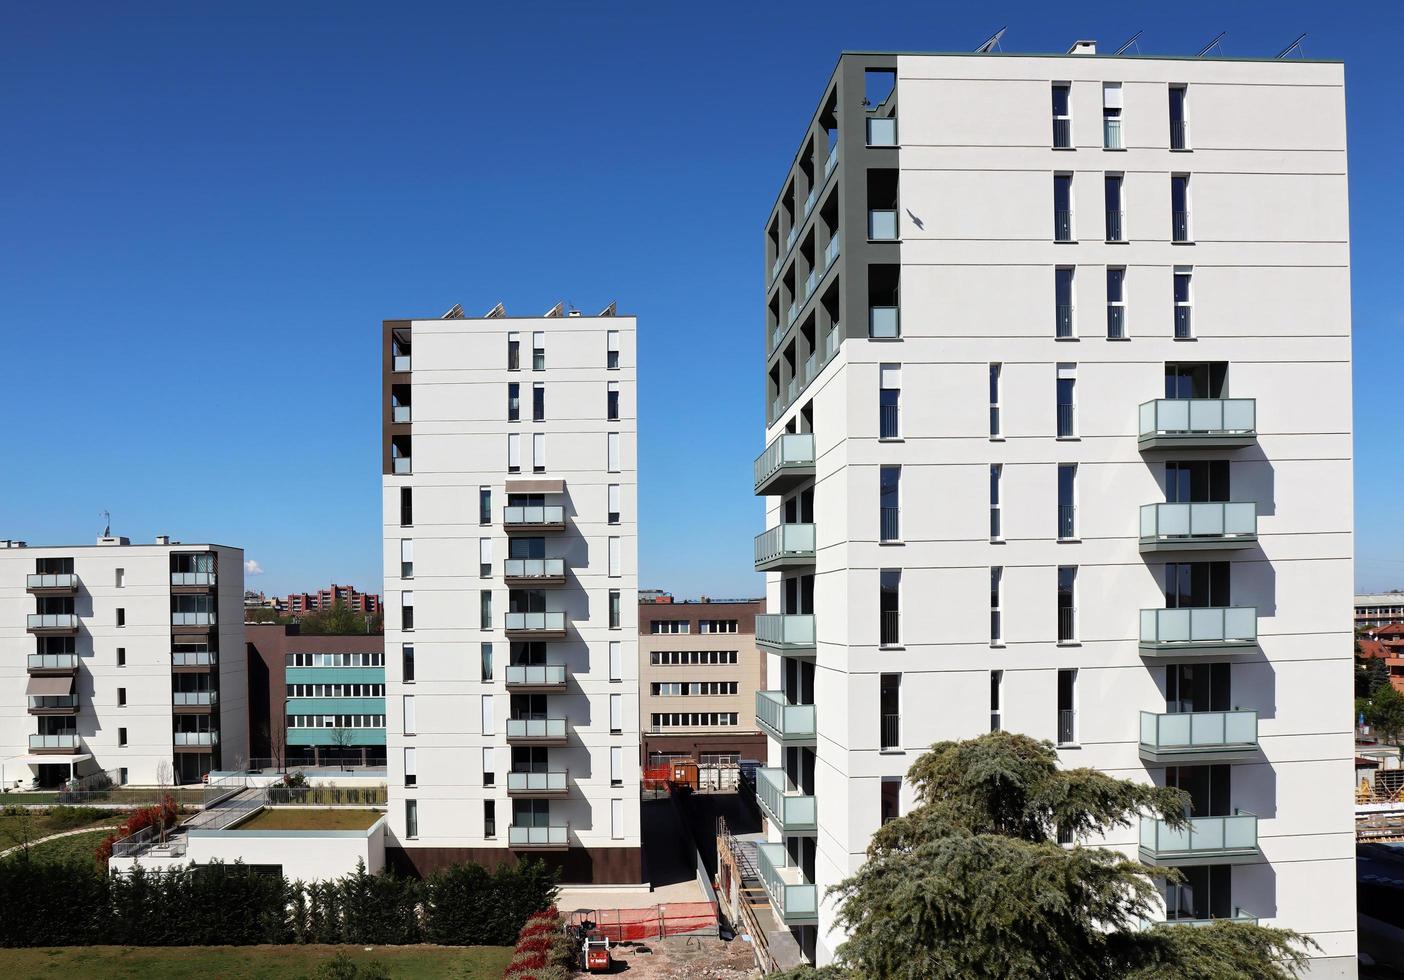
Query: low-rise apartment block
(303,603)
(1379,609)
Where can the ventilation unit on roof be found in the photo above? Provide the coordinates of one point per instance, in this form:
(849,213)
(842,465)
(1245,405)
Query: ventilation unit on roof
(1083,47)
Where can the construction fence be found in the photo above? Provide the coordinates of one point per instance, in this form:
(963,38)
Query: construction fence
(654,922)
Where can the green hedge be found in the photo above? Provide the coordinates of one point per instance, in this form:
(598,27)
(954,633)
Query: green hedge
(231,904)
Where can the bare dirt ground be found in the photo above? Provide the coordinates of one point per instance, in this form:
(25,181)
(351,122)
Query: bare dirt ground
(686,958)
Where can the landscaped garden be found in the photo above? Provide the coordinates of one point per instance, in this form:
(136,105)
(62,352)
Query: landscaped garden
(256,962)
(322,818)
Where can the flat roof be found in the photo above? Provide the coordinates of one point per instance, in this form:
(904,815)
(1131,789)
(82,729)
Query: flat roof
(1085,54)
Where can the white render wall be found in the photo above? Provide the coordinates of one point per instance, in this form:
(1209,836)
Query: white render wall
(145,595)
(1271,297)
(459,432)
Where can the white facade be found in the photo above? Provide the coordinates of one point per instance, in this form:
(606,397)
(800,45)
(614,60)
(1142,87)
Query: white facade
(1270,294)
(130,665)
(539,516)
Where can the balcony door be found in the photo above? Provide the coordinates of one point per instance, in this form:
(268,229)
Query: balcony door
(528,707)
(1197,482)
(531,813)
(1206,380)
(526,601)
(1205,893)
(799,595)
(1207,786)
(529,758)
(1197,687)
(1196,584)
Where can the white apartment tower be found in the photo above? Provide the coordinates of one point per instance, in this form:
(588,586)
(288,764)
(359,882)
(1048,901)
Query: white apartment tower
(1058,405)
(511,592)
(124,659)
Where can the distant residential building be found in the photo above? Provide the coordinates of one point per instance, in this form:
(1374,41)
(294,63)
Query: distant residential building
(303,603)
(654,595)
(699,670)
(1379,609)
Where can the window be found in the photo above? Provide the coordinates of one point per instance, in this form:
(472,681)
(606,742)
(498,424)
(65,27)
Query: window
(514,352)
(612,401)
(692,658)
(1111,116)
(996,712)
(616,661)
(514,401)
(407,701)
(486,709)
(484,505)
(1116,302)
(717,625)
(121,617)
(538,452)
(1179,208)
(485,655)
(538,351)
(1111,184)
(406,558)
(616,765)
(407,663)
(612,455)
(538,402)
(889,503)
(1063,302)
(889,606)
(1179,130)
(1062,119)
(489,818)
(670,626)
(616,819)
(1062,208)
(514,452)
(121,737)
(1184,322)
(121,656)
(1067,706)
(890,807)
(616,714)
(485,557)
(489,767)
(1067,501)
(1067,406)
(614,558)
(613,503)
(411,773)
(996,625)
(1067,604)
(889,401)
(406,507)
(406,610)
(996,528)
(890,712)
(615,612)
(411,818)
(121,578)
(612,350)
(485,609)
(995,370)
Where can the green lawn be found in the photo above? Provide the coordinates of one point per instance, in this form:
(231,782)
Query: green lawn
(42,825)
(76,847)
(251,962)
(327,818)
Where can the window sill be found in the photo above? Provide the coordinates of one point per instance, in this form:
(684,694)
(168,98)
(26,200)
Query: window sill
(1181,149)
(1068,438)
(1185,242)
(1114,149)
(1119,340)
(891,646)
(1065,241)
(1184,339)
(891,439)
(996,438)
(1066,339)
(1063,148)
(997,646)
(997,541)
(892,751)
(1117,241)
(885,340)
(1069,745)
(884,241)
(892,541)
(1069,643)
(1070,541)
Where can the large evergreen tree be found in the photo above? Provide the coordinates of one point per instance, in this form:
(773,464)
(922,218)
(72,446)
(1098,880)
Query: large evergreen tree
(973,882)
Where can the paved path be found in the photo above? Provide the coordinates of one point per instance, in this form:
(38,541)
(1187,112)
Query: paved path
(67,833)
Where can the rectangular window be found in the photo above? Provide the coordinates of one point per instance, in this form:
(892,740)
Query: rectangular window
(121,617)
(407,700)
(406,558)
(487,728)
(1179,208)
(615,609)
(538,351)
(612,402)
(406,610)
(890,711)
(612,350)
(1062,118)
(616,714)
(121,697)
(121,578)
(616,819)
(1067,501)
(996,623)
(614,499)
(484,505)
(411,773)
(996,700)
(514,401)
(121,656)
(1111,116)
(514,452)
(1116,302)
(485,557)
(489,818)
(1066,402)
(485,609)
(995,421)
(889,503)
(489,766)
(890,802)
(486,658)
(1063,302)
(612,455)
(1184,322)
(1062,208)
(538,402)
(996,525)
(514,352)
(889,606)
(407,663)
(538,452)
(1067,706)
(616,765)
(1067,603)
(121,737)
(614,558)
(406,507)
(889,401)
(411,818)
(1115,209)
(1179,128)
(616,661)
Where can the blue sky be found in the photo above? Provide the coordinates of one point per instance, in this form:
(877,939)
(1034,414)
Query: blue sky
(206,216)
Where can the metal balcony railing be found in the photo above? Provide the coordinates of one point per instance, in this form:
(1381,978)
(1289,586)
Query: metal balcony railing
(1199,524)
(1206,627)
(787,722)
(888,419)
(1114,231)
(890,731)
(1067,726)
(791,811)
(1062,225)
(1062,133)
(1195,732)
(1063,320)
(791,452)
(1179,226)
(1111,133)
(205,579)
(1067,624)
(889,627)
(794,898)
(786,631)
(883,322)
(1067,521)
(785,543)
(1183,322)
(889,524)
(1220,838)
(1116,321)
(1067,418)
(1179,135)
(1192,422)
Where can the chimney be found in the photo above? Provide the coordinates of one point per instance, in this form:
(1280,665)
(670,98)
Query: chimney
(163,539)
(1083,47)
(113,541)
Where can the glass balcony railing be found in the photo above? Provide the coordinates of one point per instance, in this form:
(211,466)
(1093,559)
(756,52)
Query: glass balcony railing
(786,461)
(831,343)
(882,322)
(67,742)
(53,661)
(811,367)
(194,699)
(785,545)
(831,162)
(1204,839)
(787,722)
(51,621)
(402,362)
(203,579)
(1239,915)
(1167,631)
(810,281)
(537,782)
(196,738)
(790,811)
(790,238)
(400,413)
(536,675)
(402,466)
(792,390)
(775,336)
(1190,423)
(1191,735)
(809,201)
(882,226)
(535,622)
(547,515)
(784,631)
(792,314)
(794,898)
(193,658)
(57,582)
(534,568)
(882,132)
(551,836)
(192,619)
(1166,527)
(831,251)
(775,266)
(53,702)
(536,728)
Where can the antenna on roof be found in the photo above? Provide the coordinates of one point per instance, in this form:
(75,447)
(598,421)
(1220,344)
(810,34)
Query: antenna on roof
(556,310)
(497,311)
(992,42)
(454,314)
(1128,43)
(1213,44)
(608,310)
(1294,46)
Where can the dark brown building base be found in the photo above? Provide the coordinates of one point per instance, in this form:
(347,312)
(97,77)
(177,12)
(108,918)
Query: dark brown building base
(750,745)
(578,866)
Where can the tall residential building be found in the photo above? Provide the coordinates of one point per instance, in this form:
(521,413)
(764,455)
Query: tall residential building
(1057,393)
(511,580)
(699,670)
(302,603)
(121,658)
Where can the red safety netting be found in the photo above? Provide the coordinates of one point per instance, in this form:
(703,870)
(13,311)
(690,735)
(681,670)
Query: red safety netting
(654,922)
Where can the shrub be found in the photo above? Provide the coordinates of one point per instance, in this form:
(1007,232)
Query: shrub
(161,815)
(68,817)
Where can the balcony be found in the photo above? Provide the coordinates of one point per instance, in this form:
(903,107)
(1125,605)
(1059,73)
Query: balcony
(548,838)
(194,741)
(193,622)
(194,702)
(40,664)
(1218,526)
(537,678)
(810,281)
(65,744)
(789,723)
(831,251)
(193,581)
(790,238)
(1199,737)
(1197,423)
(535,625)
(883,323)
(193,661)
(402,466)
(401,363)
(795,899)
(53,704)
(792,315)
(831,344)
(882,226)
(1214,630)
(1239,915)
(791,635)
(809,201)
(831,162)
(882,132)
(52,624)
(400,413)
(785,546)
(787,462)
(1202,840)
(534,519)
(534,571)
(538,785)
(536,731)
(791,812)
(45,584)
